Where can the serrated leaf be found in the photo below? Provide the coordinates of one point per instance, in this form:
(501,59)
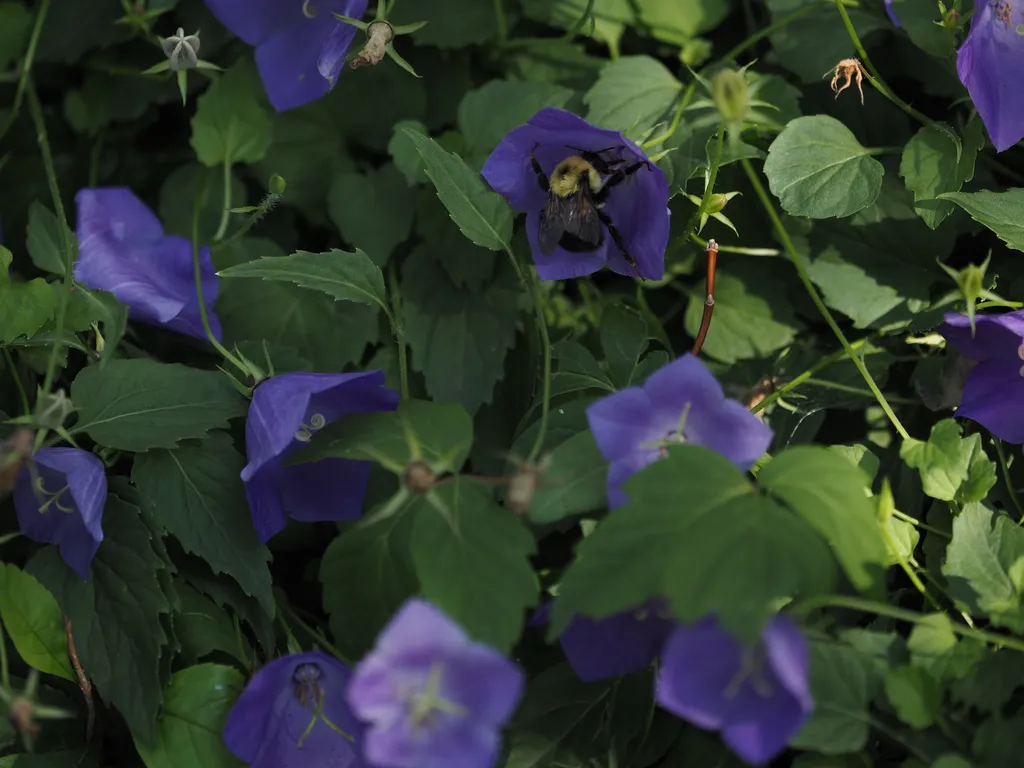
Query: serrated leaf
(34,622)
(953,468)
(136,405)
(1002,212)
(367,574)
(230,126)
(202,628)
(116,615)
(930,168)
(818,169)
(727,550)
(196,706)
(45,245)
(983,566)
(196,494)
(341,275)
(632,94)
(373,210)
(472,560)
(574,480)
(439,434)
(24,307)
(482,214)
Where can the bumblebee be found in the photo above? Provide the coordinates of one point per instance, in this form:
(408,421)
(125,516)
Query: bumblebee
(577,191)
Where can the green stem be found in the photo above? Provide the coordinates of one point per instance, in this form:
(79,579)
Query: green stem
(902,614)
(225,214)
(36,110)
(821,365)
(771,29)
(5,670)
(855,390)
(398,329)
(1005,467)
(314,633)
(26,408)
(676,118)
(801,271)
(918,524)
(545,340)
(737,248)
(26,66)
(709,188)
(502,22)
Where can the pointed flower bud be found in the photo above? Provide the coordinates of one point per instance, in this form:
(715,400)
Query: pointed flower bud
(182,50)
(731,95)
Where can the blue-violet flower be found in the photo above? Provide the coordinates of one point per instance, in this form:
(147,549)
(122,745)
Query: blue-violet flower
(285,412)
(300,45)
(432,697)
(679,403)
(636,205)
(757,697)
(122,249)
(293,714)
(59,499)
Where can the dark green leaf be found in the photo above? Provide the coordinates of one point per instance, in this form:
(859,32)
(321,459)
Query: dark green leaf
(632,95)
(202,628)
(1002,212)
(450,23)
(930,167)
(491,111)
(574,480)
(373,211)
(624,340)
(45,244)
(230,125)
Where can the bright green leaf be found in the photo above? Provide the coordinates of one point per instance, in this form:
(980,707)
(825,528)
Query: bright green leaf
(488,113)
(935,648)
(1002,212)
(953,468)
(34,622)
(632,95)
(230,125)
(915,695)
(930,167)
(24,307)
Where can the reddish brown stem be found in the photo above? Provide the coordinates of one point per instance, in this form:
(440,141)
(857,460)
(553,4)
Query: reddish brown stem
(709,301)
(83,681)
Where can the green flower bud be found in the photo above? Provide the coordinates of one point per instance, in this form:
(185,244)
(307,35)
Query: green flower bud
(731,95)
(277,184)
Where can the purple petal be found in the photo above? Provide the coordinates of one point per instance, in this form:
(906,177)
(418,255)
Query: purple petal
(991,65)
(992,397)
(76,525)
(254,21)
(281,407)
(697,664)
(789,656)
(892,14)
(994,337)
(509,173)
(627,642)
(623,421)
(332,56)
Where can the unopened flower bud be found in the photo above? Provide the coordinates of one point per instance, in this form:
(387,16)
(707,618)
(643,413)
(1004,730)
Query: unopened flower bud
(731,95)
(181,50)
(418,477)
(277,184)
(717,202)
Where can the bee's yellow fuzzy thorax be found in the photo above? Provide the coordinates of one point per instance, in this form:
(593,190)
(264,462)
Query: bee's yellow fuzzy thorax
(570,173)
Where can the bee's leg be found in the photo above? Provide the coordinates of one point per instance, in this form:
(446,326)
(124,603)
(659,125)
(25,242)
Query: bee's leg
(603,165)
(619,242)
(617,178)
(542,178)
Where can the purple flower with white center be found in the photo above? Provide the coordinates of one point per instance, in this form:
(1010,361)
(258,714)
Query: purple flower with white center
(680,403)
(625,191)
(59,499)
(995,385)
(285,412)
(300,45)
(626,642)
(991,65)
(122,249)
(757,697)
(293,714)
(432,697)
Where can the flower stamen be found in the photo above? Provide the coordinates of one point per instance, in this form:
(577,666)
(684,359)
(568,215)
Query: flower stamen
(316,423)
(308,9)
(751,668)
(428,701)
(53,498)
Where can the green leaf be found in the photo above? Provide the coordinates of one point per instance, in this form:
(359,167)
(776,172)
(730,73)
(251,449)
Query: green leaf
(116,615)
(574,481)
(178,199)
(935,648)
(373,210)
(45,245)
(984,565)
(196,706)
(367,574)
(135,405)
(439,434)
(457,329)
(196,494)
(818,169)
(482,214)
(24,307)
(632,95)
(203,628)
(343,276)
(468,266)
(679,21)
(831,495)
(930,168)
(15,23)
(230,125)
(34,622)
(609,17)
(915,695)
(1002,212)
(753,317)
(450,23)
(472,560)
(403,151)
(953,468)
(624,340)
(488,113)
(843,682)
(727,550)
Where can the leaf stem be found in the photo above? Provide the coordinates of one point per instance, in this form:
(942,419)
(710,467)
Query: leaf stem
(801,271)
(709,188)
(398,329)
(26,66)
(225,214)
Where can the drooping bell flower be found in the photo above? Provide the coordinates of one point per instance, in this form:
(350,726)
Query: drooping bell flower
(758,697)
(300,45)
(285,412)
(122,249)
(611,204)
(432,698)
(293,714)
(995,385)
(626,642)
(679,403)
(59,497)
(991,65)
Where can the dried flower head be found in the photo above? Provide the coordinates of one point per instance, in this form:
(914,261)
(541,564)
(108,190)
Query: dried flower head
(378,36)
(849,71)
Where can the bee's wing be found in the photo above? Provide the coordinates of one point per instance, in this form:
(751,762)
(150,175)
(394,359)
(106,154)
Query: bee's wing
(582,220)
(553,218)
